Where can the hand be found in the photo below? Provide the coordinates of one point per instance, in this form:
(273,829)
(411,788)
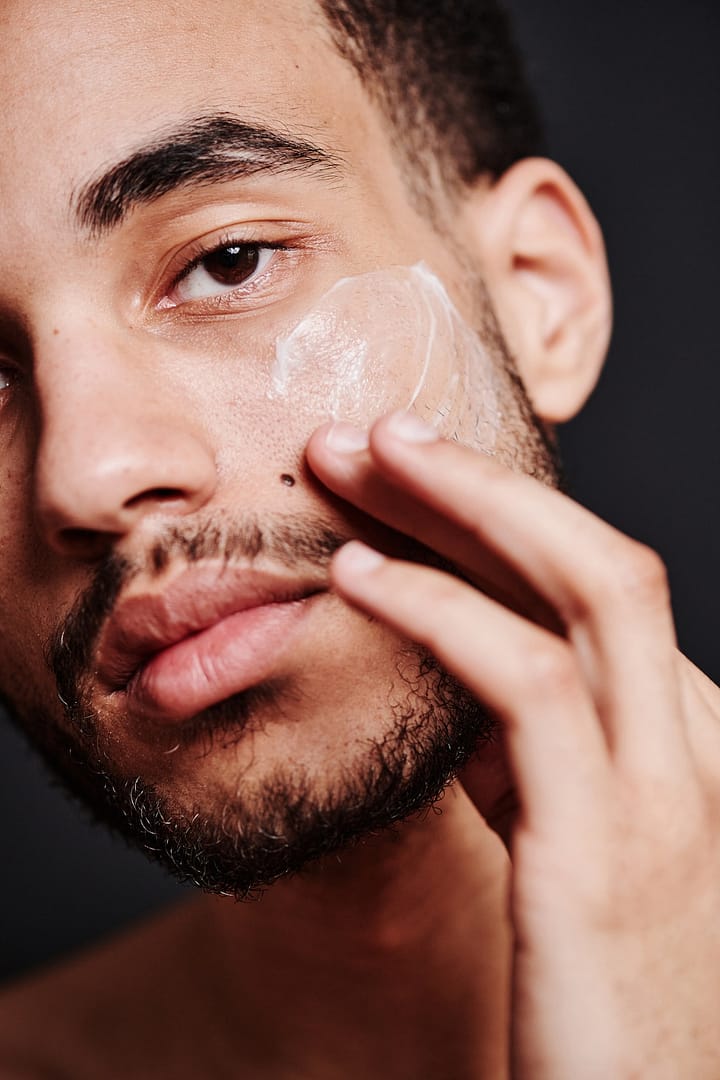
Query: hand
(612,738)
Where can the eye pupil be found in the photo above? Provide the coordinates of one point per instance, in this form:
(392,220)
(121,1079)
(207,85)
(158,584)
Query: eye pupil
(231,265)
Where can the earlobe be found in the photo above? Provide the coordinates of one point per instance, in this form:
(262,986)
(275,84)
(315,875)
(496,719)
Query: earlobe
(544,264)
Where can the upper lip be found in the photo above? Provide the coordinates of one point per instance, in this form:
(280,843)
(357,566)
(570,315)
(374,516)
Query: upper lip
(143,624)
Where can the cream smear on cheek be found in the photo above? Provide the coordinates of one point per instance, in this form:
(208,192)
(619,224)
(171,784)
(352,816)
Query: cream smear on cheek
(385,340)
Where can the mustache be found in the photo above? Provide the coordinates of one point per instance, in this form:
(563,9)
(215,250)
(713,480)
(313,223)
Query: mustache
(294,544)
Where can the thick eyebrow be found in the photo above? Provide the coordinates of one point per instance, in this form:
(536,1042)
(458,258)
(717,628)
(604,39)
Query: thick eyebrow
(208,149)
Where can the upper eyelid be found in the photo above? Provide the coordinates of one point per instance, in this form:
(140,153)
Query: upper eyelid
(194,306)
(229,241)
(291,236)
(282,234)
(189,256)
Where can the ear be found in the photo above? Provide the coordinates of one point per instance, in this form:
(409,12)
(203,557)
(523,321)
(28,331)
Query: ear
(544,264)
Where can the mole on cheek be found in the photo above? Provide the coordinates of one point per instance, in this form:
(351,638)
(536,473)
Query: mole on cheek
(287,480)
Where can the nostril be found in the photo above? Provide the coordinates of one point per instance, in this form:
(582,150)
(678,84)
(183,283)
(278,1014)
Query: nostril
(158,495)
(94,489)
(84,543)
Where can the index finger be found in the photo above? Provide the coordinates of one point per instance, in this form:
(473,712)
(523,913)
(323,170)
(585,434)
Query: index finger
(607,590)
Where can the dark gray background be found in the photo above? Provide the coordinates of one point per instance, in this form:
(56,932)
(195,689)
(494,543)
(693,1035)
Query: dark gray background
(631,93)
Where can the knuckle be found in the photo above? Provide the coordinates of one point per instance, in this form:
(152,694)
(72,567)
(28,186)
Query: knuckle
(548,670)
(641,574)
(631,574)
(442,598)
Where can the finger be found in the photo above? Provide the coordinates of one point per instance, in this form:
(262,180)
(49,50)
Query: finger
(354,477)
(525,675)
(702,707)
(607,590)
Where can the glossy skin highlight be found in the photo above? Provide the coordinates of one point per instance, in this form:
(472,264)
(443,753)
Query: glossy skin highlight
(342,357)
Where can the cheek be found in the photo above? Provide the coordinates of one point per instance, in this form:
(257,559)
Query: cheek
(35,586)
(18,553)
(25,627)
(389,339)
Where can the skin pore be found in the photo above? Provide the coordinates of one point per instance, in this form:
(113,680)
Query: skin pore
(177,458)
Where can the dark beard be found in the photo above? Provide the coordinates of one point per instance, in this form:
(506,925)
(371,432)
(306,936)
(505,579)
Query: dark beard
(242,844)
(247,845)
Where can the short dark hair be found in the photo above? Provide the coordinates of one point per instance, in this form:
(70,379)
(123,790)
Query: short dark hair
(448,76)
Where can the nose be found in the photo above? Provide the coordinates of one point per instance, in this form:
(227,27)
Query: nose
(115,446)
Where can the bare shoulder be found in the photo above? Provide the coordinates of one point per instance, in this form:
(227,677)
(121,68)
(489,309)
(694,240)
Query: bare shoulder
(116,1010)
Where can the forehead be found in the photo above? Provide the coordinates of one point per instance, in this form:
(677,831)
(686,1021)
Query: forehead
(83,83)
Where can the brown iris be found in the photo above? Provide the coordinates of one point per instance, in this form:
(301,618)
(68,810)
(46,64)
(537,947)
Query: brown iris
(233,264)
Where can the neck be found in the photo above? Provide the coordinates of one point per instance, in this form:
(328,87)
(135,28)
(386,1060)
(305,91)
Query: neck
(391,959)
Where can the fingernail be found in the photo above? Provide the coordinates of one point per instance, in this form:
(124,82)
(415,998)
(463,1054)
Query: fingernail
(359,558)
(346,438)
(412,429)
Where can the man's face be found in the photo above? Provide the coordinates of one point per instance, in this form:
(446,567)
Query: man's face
(150,486)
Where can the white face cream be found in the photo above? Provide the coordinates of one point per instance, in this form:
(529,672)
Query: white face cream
(385,340)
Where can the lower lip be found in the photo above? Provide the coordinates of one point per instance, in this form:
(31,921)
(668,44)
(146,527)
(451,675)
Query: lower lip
(234,654)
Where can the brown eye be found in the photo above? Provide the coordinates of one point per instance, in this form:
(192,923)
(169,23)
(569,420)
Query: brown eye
(233,264)
(222,270)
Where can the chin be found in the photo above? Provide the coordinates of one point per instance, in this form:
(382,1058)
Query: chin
(265,783)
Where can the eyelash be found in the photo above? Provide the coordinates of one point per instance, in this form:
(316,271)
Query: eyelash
(218,244)
(10,376)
